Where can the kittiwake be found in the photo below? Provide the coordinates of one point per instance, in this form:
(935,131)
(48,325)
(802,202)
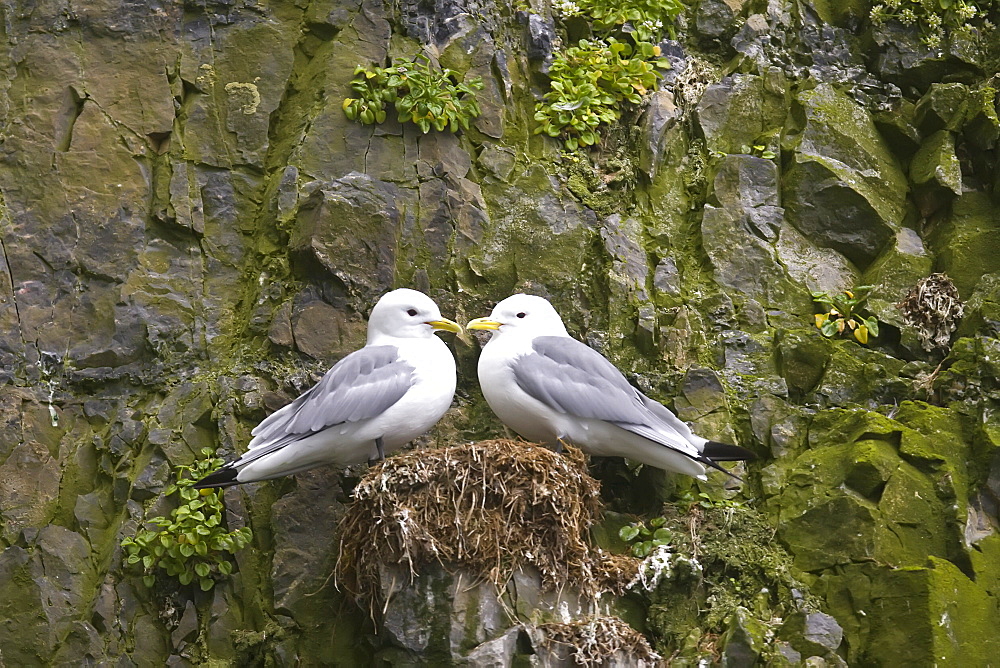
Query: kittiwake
(370,403)
(552,389)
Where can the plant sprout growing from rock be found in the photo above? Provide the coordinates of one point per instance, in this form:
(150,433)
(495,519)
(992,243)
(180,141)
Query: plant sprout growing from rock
(192,543)
(644,539)
(424,95)
(843,316)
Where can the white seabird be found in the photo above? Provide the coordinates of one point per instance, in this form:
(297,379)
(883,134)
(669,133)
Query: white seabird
(370,403)
(552,389)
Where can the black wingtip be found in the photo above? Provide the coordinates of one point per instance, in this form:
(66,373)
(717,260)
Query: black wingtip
(724,452)
(224,477)
(708,462)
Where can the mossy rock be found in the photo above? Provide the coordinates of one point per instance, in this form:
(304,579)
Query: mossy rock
(943,107)
(931,616)
(982,308)
(843,14)
(916,616)
(844,189)
(740,109)
(985,557)
(856,374)
(967,244)
(853,498)
(837,372)
(803,356)
(936,173)
(894,273)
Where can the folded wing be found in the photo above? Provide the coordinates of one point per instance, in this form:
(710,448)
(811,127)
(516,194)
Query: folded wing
(572,378)
(361,386)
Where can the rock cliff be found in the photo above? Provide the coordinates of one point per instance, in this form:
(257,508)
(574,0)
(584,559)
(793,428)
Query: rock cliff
(192,230)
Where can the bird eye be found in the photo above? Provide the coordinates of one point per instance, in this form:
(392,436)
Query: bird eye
(521,314)
(412,312)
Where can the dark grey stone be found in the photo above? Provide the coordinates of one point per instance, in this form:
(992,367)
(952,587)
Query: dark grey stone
(541,34)
(713,18)
(666,277)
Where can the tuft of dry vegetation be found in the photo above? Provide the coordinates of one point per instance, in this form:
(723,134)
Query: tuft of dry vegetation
(594,641)
(490,508)
(933,309)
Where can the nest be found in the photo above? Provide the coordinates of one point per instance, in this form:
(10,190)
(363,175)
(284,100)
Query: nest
(492,507)
(932,308)
(595,641)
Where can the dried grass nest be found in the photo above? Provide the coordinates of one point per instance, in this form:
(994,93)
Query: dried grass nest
(933,309)
(489,508)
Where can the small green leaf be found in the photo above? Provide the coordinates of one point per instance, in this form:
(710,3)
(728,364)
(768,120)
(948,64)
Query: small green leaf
(628,532)
(829,328)
(206,583)
(662,534)
(149,580)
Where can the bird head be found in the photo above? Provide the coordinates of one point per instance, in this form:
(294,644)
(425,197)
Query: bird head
(406,313)
(524,314)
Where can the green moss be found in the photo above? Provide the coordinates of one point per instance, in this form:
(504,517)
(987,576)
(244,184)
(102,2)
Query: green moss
(256,648)
(854,473)
(895,272)
(608,188)
(966,243)
(985,556)
(937,163)
(802,359)
(746,583)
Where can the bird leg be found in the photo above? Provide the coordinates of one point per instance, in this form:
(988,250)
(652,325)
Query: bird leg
(560,444)
(381,451)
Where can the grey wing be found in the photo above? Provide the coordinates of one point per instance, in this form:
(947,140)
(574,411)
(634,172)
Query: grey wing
(574,379)
(362,385)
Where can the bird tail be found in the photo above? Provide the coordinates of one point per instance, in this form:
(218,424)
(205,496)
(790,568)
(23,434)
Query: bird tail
(224,477)
(724,452)
(715,452)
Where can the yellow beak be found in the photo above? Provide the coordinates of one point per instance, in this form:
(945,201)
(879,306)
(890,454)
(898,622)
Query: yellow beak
(483,323)
(445,325)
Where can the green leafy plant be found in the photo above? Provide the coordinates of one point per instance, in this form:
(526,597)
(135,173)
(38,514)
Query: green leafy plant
(642,539)
(759,150)
(647,19)
(935,18)
(589,83)
(842,314)
(422,94)
(192,543)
